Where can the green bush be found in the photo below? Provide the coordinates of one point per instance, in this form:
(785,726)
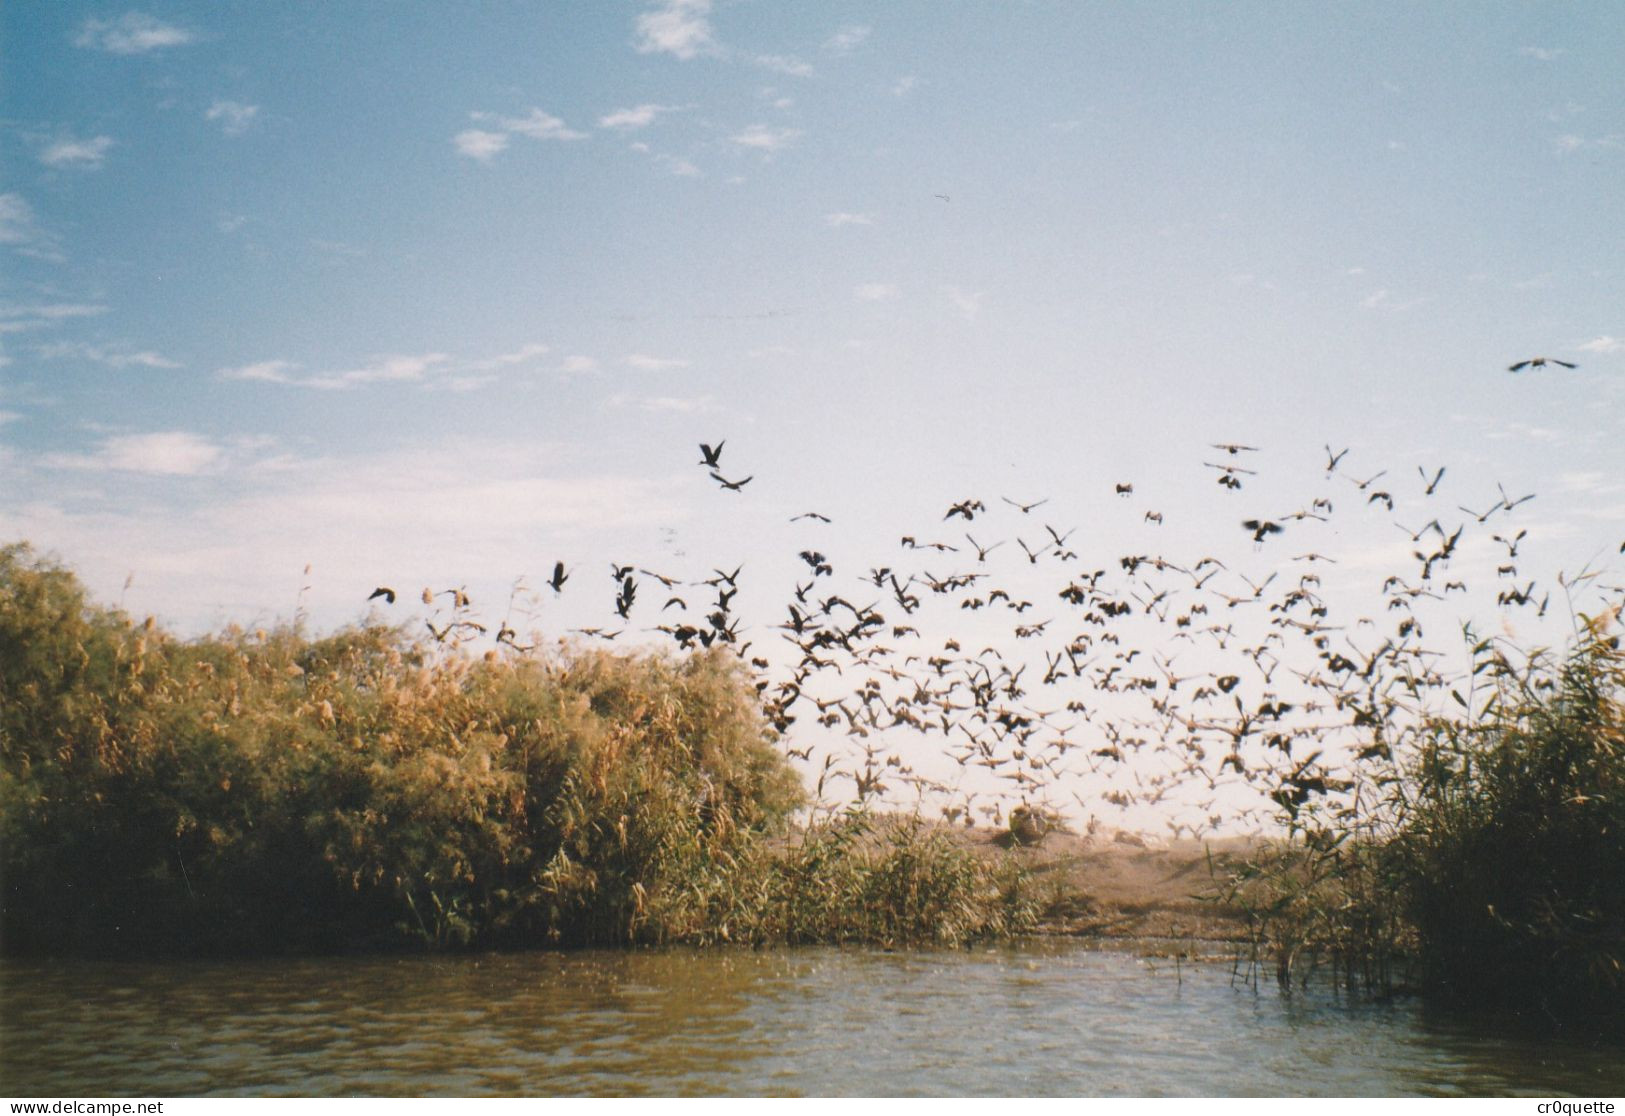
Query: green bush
(1513,855)
(259,791)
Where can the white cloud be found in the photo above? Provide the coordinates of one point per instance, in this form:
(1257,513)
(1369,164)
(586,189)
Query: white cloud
(99,354)
(234,116)
(436,371)
(265,371)
(763,138)
(783,64)
(680,167)
(22,232)
(220,548)
(836,220)
(904,85)
(391,369)
(578,365)
(16,317)
(629,118)
(8,416)
(132,33)
(477,144)
(538,125)
(77,153)
(663,404)
(847,38)
(1603,344)
(968,302)
(174,453)
(676,27)
(522,355)
(1542,54)
(655,364)
(874,292)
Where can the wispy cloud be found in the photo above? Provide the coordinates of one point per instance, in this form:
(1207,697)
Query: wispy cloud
(874,292)
(174,453)
(132,33)
(101,354)
(628,119)
(677,27)
(578,365)
(525,354)
(235,117)
(837,220)
(762,138)
(538,125)
(847,39)
(1542,54)
(15,317)
(439,371)
(1603,344)
(265,371)
(969,303)
(904,85)
(87,154)
(658,404)
(783,64)
(647,363)
(481,145)
(21,231)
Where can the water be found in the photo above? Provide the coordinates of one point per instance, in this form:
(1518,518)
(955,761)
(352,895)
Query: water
(1049,1018)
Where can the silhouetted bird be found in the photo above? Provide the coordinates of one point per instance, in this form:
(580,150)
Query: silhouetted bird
(732,486)
(1260,528)
(1539,362)
(559,577)
(387,594)
(711,456)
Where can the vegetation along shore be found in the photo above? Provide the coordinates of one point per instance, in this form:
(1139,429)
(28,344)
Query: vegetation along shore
(272,791)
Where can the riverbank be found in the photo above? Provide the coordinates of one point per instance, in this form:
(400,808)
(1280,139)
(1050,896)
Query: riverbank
(1125,887)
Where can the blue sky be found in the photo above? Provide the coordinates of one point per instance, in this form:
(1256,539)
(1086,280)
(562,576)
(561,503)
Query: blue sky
(441,294)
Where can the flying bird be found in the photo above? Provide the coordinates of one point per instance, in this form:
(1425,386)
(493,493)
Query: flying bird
(559,577)
(1539,362)
(711,456)
(1261,527)
(386,593)
(731,486)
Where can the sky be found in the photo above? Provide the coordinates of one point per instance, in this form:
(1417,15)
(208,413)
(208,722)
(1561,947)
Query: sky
(301,300)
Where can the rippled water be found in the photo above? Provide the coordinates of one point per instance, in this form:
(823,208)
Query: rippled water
(1044,1019)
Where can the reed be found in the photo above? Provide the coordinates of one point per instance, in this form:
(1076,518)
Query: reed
(1484,857)
(270,791)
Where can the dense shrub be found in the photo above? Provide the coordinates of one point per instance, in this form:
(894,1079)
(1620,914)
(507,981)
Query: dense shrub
(257,791)
(1513,855)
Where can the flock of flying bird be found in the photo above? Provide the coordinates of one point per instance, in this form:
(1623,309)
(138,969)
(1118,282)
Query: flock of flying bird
(1142,680)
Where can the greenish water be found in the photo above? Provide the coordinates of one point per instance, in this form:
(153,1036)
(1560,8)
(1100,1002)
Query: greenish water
(1046,1019)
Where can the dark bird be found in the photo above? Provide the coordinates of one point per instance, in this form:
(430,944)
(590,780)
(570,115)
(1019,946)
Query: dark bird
(1125,490)
(810,515)
(559,577)
(1233,449)
(1333,458)
(1432,484)
(711,456)
(1025,508)
(1260,528)
(381,591)
(1539,362)
(731,486)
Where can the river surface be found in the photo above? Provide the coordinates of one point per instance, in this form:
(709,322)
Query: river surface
(1048,1018)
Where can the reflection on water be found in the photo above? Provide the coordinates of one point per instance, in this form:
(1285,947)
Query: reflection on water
(1044,1019)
